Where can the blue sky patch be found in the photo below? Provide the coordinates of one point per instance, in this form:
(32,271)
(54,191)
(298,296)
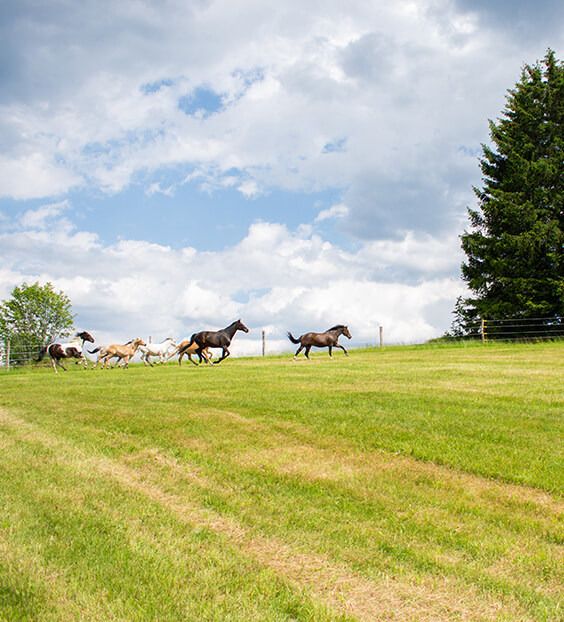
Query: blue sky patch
(203,101)
(153,87)
(338,145)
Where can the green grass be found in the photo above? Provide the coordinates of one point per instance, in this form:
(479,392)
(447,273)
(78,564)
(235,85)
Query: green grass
(409,483)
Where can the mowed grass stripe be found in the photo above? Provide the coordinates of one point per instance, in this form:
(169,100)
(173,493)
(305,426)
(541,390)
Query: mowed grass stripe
(335,584)
(95,541)
(401,468)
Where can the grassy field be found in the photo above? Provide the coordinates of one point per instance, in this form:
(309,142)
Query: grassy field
(411,483)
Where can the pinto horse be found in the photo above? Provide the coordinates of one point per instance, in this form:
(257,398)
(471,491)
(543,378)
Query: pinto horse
(73,349)
(328,339)
(215,339)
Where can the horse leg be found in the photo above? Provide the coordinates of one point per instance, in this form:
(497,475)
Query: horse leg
(54,366)
(298,351)
(338,345)
(307,349)
(330,351)
(224,355)
(199,352)
(60,364)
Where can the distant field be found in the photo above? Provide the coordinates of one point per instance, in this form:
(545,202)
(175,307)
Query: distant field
(411,483)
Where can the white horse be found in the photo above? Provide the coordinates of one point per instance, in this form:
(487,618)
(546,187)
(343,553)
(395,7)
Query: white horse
(156,349)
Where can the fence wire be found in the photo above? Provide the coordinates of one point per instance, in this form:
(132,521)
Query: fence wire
(520,329)
(16,355)
(511,329)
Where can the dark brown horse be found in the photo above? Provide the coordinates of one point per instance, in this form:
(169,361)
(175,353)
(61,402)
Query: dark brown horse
(73,349)
(214,339)
(328,339)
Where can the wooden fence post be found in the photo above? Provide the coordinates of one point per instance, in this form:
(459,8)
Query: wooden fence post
(263,343)
(7,344)
(484,335)
(381,336)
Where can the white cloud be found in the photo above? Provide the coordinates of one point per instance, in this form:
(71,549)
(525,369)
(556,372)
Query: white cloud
(334,212)
(392,84)
(384,103)
(272,279)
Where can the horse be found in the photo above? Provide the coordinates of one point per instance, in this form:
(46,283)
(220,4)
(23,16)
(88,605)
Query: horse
(156,349)
(328,339)
(188,351)
(73,349)
(126,352)
(215,339)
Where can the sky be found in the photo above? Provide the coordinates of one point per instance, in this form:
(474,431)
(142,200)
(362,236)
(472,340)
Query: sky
(175,165)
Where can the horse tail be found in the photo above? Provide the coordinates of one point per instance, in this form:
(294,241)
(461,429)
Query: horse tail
(292,338)
(41,355)
(95,350)
(187,346)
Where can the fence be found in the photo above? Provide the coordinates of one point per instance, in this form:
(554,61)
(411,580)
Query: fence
(17,354)
(512,329)
(518,329)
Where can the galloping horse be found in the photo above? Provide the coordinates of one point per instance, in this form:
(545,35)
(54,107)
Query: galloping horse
(215,339)
(126,352)
(73,349)
(328,339)
(156,349)
(188,351)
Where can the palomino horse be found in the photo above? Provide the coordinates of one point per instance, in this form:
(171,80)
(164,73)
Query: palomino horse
(328,339)
(125,352)
(189,351)
(156,349)
(73,349)
(215,339)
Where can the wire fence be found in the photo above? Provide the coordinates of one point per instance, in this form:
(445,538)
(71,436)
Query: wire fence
(518,329)
(512,329)
(18,354)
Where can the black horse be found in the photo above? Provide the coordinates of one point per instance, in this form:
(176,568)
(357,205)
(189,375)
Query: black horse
(328,339)
(214,339)
(73,349)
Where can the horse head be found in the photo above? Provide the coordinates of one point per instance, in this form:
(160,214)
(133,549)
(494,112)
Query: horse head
(85,336)
(346,332)
(240,326)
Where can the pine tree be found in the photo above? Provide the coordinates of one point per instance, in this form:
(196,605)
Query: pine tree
(515,259)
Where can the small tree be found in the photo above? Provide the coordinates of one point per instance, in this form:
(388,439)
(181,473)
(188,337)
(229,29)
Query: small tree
(515,259)
(34,316)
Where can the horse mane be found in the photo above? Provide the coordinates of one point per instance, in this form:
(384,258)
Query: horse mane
(336,327)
